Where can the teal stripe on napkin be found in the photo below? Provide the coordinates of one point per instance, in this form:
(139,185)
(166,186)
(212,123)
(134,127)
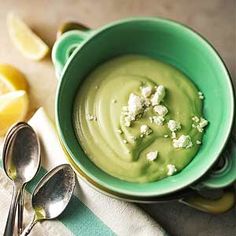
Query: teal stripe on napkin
(77,217)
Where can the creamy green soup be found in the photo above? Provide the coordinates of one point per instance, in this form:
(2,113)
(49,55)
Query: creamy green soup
(132,131)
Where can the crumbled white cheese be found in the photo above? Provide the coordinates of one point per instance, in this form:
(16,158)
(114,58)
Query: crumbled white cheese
(184,141)
(135,104)
(161,90)
(199,129)
(158,95)
(173,125)
(125,109)
(151,119)
(125,141)
(156,99)
(166,136)
(161,110)
(128,120)
(201,125)
(146,91)
(135,108)
(171,169)
(119,131)
(195,118)
(200,95)
(145,129)
(173,135)
(91,117)
(151,156)
(147,103)
(198,142)
(203,122)
(158,120)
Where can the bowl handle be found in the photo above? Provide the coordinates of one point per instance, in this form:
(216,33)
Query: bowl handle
(213,206)
(224,173)
(64,48)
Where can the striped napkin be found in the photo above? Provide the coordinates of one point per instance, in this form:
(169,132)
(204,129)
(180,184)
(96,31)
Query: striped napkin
(89,212)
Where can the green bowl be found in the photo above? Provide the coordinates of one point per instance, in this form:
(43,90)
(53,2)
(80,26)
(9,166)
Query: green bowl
(77,53)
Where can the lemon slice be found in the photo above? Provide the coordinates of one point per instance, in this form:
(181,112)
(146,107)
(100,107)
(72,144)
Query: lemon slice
(28,43)
(11,79)
(13,108)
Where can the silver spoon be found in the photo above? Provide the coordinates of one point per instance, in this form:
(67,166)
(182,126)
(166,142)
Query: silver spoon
(21,159)
(52,194)
(20,205)
(11,131)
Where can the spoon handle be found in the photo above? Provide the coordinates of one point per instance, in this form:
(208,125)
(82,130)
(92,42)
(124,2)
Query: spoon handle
(29,227)
(20,208)
(9,228)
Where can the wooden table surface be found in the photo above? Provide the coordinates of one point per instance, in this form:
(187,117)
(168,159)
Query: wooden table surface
(215,19)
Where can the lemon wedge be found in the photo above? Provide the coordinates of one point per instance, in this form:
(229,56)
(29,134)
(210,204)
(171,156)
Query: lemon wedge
(13,108)
(27,42)
(11,79)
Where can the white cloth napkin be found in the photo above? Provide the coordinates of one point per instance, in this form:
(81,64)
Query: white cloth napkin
(119,217)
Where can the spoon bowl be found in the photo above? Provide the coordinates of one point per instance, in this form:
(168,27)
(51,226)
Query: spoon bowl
(10,132)
(23,146)
(52,194)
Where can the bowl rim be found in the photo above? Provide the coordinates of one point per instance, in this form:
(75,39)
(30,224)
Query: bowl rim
(227,78)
